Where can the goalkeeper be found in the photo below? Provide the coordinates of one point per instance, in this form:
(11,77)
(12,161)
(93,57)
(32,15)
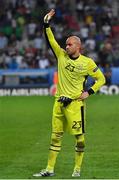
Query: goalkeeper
(68,111)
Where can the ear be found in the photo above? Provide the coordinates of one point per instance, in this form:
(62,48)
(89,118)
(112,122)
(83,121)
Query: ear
(81,49)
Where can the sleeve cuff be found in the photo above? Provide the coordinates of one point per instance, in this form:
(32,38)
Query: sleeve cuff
(46,25)
(90,91)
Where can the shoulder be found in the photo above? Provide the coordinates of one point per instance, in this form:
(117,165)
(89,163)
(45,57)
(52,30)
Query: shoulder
(86,58)
(63,52)
(89,62)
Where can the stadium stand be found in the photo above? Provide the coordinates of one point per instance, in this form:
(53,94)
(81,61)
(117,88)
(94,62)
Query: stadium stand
(22,44)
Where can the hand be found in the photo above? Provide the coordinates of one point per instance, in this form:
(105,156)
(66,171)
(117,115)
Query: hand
(49,16)
(84,95)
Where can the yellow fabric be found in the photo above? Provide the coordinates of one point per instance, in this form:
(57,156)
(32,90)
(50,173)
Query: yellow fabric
(56,141)
(51,160)
(79,155)
(68,118)
(55,147)
(78,160)
(72,73)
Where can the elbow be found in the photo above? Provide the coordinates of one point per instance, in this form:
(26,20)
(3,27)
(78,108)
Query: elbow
(103,80)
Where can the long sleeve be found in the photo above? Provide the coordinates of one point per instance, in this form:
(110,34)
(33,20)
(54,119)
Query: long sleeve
(96,73)
(51,40)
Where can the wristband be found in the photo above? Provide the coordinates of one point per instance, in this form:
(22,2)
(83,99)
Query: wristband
(46,25)
(90,91)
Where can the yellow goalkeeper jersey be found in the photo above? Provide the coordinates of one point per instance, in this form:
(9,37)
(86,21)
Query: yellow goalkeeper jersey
(72,73)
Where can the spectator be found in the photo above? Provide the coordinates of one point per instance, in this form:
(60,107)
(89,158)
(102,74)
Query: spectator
(2,60)
(106,28)
(90,43)
(31,28)
(43,62)
(108,73)
(23,64)
(38,41)
(19,59)
(106,55)
(3,41)
(84,30)
(20,28)
(13,64)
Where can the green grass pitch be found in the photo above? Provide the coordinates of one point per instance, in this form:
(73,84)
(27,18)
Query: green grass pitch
(25,128)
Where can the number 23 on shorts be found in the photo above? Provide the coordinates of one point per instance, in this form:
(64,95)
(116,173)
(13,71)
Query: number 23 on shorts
(76,125)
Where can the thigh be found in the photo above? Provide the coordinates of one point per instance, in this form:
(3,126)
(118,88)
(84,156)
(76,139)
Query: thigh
(75,116)
(58,118)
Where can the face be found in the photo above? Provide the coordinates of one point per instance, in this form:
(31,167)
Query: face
(72,46)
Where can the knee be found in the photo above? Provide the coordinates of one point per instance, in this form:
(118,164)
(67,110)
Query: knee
(56,137)
(56,141)
(80,144)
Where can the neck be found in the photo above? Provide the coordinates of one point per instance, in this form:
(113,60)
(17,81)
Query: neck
(74,56)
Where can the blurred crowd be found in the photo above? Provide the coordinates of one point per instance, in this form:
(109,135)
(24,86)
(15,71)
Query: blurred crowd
(22,43)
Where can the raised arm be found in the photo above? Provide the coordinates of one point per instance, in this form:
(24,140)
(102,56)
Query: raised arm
(49,34)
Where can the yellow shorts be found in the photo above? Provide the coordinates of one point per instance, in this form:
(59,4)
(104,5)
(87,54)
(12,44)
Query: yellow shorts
(70,119)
